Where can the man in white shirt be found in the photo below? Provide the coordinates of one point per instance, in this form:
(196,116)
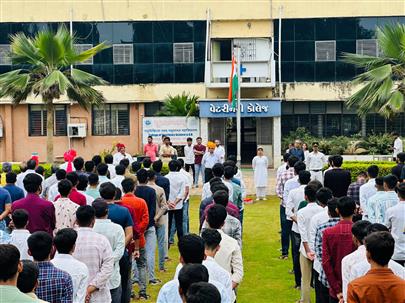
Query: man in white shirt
(218,173)
(189,183)
(109,160)
(398,146)
(82,187)
(189,157)
(119,176)
(367,190)
(121,154)
(208,161)
(31,165)
(315,162)
(48,182)
(53,190)
(65,241)
(359,231)
(65,209)
(20,234)
(283,167)
(307,255)
(378,204)
(115,235)
(395,221)
(102,171)
(219,151)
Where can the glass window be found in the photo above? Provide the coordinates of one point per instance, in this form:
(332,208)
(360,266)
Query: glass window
(287,72)
(304,51)
(183,52)
(123,54)
(344,71)
(325,50)
(122,32)
(183,31)
(304,71)
(111,120)
(152,108)
(325,29)
(142,32)
(351,124)
(367,47)
(325,71)
(347,46)
(143,53)
(163,73)
(366,28)
(123,74)
(104,71)
(221,50)
(287,50)
(84,32)
(304,29)
(5,54)
(5,30)
(199,71)
(183,73)
(199,52)
(143,73)
(81,48)
(333,125)
(301,108)
(199,31)
(346,28)
(37,120)
(103,32)
(163,53)
(163,31)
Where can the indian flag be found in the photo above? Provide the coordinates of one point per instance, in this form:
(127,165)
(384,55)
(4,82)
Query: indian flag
(233,85)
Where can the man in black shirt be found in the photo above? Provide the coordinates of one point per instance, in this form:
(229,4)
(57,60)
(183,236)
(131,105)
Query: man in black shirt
(337,179)
(397,170)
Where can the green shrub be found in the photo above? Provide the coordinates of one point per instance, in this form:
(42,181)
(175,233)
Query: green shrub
(355,167)
(377,144)
(17,169)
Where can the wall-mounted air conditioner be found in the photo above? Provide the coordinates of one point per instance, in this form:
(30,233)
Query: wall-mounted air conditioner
(77,130)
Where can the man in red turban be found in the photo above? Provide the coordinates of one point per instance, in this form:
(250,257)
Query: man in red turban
(121,154)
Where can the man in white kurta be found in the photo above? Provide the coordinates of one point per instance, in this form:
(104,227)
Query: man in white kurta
(121,154)
(398,146)
(260,164)
(219,151)
(315,162)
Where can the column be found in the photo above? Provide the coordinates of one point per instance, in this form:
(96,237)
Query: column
(204,128)
(8,132)
(277,141)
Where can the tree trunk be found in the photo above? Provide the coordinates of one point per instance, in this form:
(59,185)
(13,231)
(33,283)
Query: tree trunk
(49,131)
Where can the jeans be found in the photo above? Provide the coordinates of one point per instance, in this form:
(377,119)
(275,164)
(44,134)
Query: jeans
(295,250)
(150,248)
(140,272)
(186,205)
(241,211)
(198,168)
(178,217)
(160,235)
(126,285)
(321,292)
(285,231)
(116,294)
(187,168)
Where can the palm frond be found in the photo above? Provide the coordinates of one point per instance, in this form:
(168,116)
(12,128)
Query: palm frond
(85,95)
(83,77)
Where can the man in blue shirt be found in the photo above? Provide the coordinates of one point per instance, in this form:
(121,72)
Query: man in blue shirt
(297,150)
(15,192)
(161,181)
(5,207)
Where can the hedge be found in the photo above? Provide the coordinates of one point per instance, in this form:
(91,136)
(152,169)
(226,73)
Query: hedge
(355,167)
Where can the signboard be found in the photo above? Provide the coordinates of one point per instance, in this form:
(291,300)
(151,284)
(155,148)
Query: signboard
(177,128)
(249,108)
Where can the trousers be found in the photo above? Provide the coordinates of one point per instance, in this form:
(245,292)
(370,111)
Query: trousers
(177,215)
(306,272)
(317,175)
(295,251)
(261,192)
(150,248)
(285,231)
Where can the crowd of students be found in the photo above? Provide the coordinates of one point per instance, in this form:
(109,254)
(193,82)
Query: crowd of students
(90,231)
(347,238)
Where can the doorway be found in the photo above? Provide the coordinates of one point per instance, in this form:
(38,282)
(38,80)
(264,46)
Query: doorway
(248,138)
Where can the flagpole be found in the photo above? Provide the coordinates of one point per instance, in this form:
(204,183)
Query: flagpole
(238,114)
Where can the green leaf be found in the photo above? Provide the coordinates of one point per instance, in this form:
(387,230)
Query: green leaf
(396,101)
(58,79)
(90,53)
(49,47)
(86,78)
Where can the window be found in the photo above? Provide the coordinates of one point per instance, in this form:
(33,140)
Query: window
(111,120)
(123,54)
(183,52)
(367,47)
(325,50)
(37,120)
(81,48)
(4,54)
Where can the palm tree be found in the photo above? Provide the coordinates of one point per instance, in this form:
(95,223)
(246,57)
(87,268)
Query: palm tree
(180,105)
(44,63)
(383,80)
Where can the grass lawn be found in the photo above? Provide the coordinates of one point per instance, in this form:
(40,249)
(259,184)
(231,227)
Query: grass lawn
(266,277)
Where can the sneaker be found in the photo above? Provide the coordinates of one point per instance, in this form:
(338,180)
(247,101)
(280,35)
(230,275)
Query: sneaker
(155,282)
(143,296)
(163,270)
(283,257)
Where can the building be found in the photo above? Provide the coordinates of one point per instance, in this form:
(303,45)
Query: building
(160,48)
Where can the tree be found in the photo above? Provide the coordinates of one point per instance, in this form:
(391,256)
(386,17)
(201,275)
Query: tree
(383,78)
(180,105)
(44,63)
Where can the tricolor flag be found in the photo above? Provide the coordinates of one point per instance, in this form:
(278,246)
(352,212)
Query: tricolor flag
(233,85)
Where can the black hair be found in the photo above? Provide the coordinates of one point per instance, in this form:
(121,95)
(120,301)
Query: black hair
(211,238)
(173,164)
(380,245)
(189,139)
(221,197)
(216,216)
(218,170)
(332,206)
(203,292)
(166,138)
(28,277)
(64,240)
(315,184)
(229,163)
(151,174)
(198,138)
(107,191)
(362,173)
(323,195)
(31,164)
(89,166)
(136,165)
(93,179)
(192,273)
(401,157)
(157,166)
(191,248)
(150,137)
(372,228)
(346,206)
(372,171)
(291,161)
(337,160)
(401,190)
(32,182)
(102,169)
(147,162)
(73,177)
(100,207)
(20,218)
(128,185)
(124,162)
(96,160)
(60,174)
(379,181)
(299,166)
(78,163)
(304,177)
(64,187)
(83,182)
(120,170)
(142,176)
(286,156)
(9,260)
(40,170)
(40,245)
(310,193)
(118,194)
(359,229)
(11,177)
(229,172)
(181,162)
(391,181)
(85,215)
(108,159)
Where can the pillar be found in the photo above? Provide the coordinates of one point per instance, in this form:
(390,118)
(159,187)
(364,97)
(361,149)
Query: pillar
(277,141)
(204,128)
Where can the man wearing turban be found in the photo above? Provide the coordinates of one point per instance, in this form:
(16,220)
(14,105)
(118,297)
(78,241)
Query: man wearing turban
(121,154)
(209,160)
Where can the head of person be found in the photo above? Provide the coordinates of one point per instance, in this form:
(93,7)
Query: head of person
(380,247)
(379,183)
(291,161)
(128,185)
(315,146)
(297,143)
(31,164)
(9,263)
(285,157)
(73,177)
(150,139)
(316,184)
(151,176)
(65,241)
(189,141)
(310,193)
(118,194)
(100,208)
(346,207)
(401,191)
(401,157)
(232,158)
(102,169)
(89,167)
(330,161)
(304,146)
(142,176)
(212,238)
(40,170)
(121,148)
(20,218)
(125,163)
(97,160)
(83,182)
(108,159)
(362,176)
(107,191)
(181,163)
(395,135)
(304,177)
(323,195)
(199,140)
(217,142)
(85,216)
(191,249)
(166,141)
(216,216)
(78,163)
(218,185)
(93,179)
(33,183)
(157,166)
(28,278)
(337,161)
(211,147)
(332,208)
(359,231)
(120,170)
(390,182)
(221,197)
(229,172)
(64,188)
(189,274)
(173,164)
(259,151)
(203,292)
(11,177)
(40,246)
(136,166)
(6,167)
(372,171)
(147,162)
(218,170)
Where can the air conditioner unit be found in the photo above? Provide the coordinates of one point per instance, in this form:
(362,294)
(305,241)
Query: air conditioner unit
(77,130)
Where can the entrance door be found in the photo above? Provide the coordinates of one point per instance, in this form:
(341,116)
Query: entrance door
(248,136)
